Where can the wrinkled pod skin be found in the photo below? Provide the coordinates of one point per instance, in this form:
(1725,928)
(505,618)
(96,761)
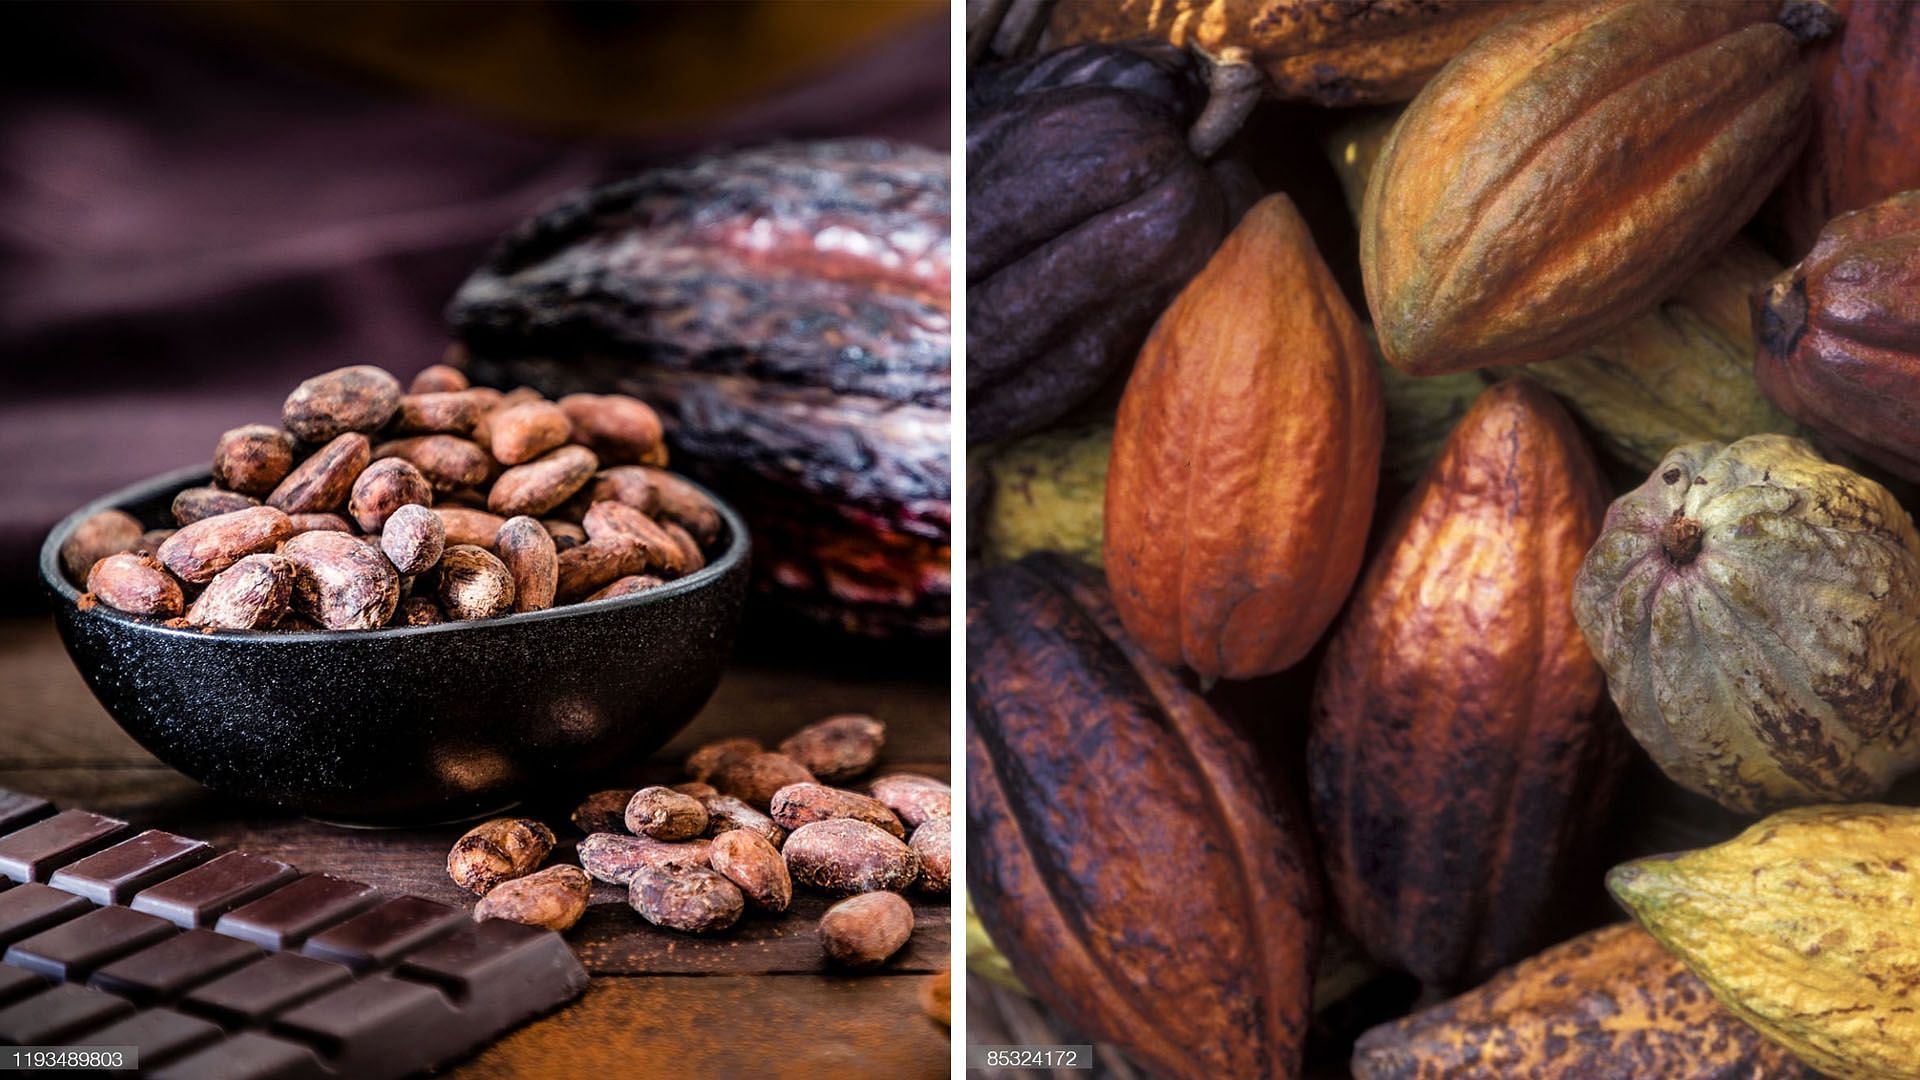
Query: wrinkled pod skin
(1839,335)
(1245,459)
(1461,752)
(1124,848)
(1757,610)
(1543,188)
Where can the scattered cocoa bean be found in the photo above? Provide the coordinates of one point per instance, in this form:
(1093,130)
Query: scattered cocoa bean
(447,461)
(696,901)
(612,521)
(542,484)
(473,584)
(936,997)
(682,503)
(754,779)
(697,790)
(526,430)
(565,534)
(445,413)
(252,459)
(527,550)
(199,551)
(862,931)
(746,859)
(252,594)
(603,811)
(466,526)
(108,532)
(933,843)
(322,481)
(438,379)
(136,583)
(386,486)
(359,398)
(837,748)
(496,851)
(320,523)
(617,428)
(724,812)
(414,539)
(665,814)
(554,898)
(707,760)
(615,858)
(341,583)
(419,611)
(800,804)
(626,586)
(845,855)
(914,798)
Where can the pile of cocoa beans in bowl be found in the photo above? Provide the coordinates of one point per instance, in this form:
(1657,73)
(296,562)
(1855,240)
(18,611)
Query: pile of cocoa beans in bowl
(372,505)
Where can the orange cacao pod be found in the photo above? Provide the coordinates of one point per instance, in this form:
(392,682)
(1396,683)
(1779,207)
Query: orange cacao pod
(1245,458)
(1460,733)
(1569,169)
(1124,850)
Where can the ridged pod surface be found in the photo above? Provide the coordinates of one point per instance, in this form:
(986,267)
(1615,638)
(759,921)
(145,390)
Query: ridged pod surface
(1839,335)
(1245,458)
(1123,848)
(1545,187)
(1611,1004)
(1757,610)
(1804,926)
(1461,749)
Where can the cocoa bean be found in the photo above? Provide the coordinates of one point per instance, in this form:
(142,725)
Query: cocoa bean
(108,532)
(527,430)
(936,997)
(844,855)
(473,584)
(612,520)
(725,813)
(200,503)
(862,931)
(755,778)
(359,398)
(696,901)
(682,503)
(386,486)
(933,843)
(438,379)
(617,428)
(136,583)
(603,811)
(690,555)
(322,481)
(527,550)
(585,570)
(496,851)
(467,526)
(320,523)
(554,898)
(707,759)
(565,534)
(542,484)
(341,583)
(419,611)
(624,484)
(199,551)
(252,594)
(699,791)
(449,462)
(151,540)
(252,459)
(665,814)
(799,804)
(837,748)
(914,799)
(445,413)
(626,586)
(414,539)
(615,858)
(746,859)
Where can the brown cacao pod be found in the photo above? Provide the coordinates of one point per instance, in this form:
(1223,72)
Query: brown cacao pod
(1866,122)
(1545,188)
(1245,458)
(1839,335)
(1123,847)
(1608,1005)
(1329,52)
(1461,745)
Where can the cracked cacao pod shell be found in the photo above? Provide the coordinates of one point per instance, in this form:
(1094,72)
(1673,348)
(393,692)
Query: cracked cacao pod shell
(1839,335)
(1803,926)
(1125,850)
(1457,709)
(1328,52)
(1047,492)
(1544,188)
(1611,1004)
(1245,458)
(1757,611)
(1866,122)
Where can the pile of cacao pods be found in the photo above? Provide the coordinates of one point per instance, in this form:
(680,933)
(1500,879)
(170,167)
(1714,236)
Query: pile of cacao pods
(1402,525)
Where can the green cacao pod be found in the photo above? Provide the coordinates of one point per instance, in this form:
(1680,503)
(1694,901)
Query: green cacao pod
(1757,611)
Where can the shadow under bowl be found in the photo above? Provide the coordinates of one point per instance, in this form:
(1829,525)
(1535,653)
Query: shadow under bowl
(410,725)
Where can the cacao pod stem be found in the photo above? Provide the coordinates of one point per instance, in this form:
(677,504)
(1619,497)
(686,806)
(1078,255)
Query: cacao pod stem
(1234,87)
(1680,539)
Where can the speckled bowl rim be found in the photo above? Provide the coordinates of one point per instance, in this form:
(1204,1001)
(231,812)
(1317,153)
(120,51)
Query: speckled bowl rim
(55,579)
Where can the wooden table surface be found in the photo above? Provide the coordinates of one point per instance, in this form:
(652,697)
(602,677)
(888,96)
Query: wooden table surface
(755,1001)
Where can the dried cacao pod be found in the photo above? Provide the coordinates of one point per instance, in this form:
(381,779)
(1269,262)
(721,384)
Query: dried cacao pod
(1544,188)
(1328,52)
(1839,335)
(1086,211)
(1608,1005)
(1866,122)
(1757,611)
(1047,492)
(1124,849)
(1803,926)
(1458,711)
(1245,458)
(786,310)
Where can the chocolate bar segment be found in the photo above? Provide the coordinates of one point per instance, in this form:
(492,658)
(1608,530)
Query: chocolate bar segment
(381,1023)
(502,973)
(159,1034)
(114,875)
(35,852)
(26,910)
(210,890)
(284,918)
(57,1014)
(264,988)
(378,936)
(18,811)
(73,949)
(172,967)
(248,1056)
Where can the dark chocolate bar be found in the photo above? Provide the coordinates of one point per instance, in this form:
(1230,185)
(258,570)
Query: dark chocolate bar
(238,966)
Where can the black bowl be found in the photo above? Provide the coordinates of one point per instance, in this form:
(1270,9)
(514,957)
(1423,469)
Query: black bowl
(410,725)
